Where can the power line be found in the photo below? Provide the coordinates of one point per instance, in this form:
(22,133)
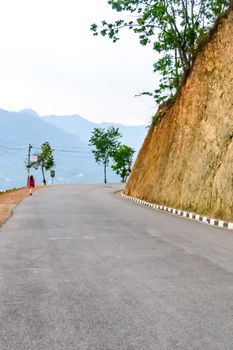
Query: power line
(71,150)
(63,146)
(13,144)
(67,150)
(13,148)
(54,149)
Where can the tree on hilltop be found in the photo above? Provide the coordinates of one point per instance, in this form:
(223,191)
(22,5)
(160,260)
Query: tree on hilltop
(173,27)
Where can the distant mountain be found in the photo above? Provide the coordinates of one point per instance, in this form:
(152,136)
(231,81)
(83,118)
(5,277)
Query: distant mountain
(74,160)
(18,129)
(132,135)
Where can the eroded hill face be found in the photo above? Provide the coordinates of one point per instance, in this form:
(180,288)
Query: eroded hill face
(187,161)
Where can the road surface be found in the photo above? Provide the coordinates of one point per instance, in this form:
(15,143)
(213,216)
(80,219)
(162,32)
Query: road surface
(83,269)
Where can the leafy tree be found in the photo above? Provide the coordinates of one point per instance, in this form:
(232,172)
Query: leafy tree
(105,143)
(173,27)
(122,158)
(45,159)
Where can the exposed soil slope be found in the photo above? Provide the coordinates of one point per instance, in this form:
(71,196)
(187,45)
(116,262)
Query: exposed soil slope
(187,161)
(10,199)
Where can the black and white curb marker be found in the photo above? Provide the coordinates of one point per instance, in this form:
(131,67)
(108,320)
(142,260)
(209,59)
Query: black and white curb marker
(186,214)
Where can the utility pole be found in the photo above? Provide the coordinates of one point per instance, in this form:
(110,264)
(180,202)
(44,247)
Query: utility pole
(29,162)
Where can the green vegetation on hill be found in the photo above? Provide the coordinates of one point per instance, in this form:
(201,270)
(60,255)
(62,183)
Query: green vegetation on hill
(173,27)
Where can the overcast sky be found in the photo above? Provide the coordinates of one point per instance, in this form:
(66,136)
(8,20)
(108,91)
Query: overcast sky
(50,62)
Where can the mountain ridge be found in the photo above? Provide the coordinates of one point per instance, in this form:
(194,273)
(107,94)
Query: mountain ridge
(74,160)
(133,135)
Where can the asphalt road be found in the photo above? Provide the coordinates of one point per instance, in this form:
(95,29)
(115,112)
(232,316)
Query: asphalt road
(83,269)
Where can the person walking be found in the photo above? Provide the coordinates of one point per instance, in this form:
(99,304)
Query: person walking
(31,185)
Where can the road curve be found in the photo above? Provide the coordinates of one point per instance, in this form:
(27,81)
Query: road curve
(83,269)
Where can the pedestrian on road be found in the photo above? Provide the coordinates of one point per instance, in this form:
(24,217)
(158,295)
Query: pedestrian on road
(31,185)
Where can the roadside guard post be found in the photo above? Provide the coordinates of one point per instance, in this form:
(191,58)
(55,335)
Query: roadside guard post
(52,174)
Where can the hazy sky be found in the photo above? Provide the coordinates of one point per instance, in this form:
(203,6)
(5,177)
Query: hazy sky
(50,62)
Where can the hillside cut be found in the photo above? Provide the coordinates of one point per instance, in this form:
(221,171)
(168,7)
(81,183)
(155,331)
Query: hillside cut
(186,161)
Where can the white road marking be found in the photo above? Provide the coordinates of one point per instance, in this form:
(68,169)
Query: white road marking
(70,238)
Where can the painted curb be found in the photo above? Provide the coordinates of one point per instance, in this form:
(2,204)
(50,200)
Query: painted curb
(182,213)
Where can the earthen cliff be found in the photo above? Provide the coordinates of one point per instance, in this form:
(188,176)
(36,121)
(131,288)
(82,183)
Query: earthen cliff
(187,160)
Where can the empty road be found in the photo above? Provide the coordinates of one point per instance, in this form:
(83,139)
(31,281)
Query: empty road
(84,269)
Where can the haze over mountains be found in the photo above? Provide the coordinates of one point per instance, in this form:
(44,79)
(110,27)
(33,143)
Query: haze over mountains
(78,126)
(68,135)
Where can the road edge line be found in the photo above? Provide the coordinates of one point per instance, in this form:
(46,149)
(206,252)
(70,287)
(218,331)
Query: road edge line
(182,213)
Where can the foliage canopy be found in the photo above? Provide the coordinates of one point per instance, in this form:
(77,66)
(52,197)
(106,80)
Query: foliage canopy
(45,159)
(173,27)
(123,158)
(105,143)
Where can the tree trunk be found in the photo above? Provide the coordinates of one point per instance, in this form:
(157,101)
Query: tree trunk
(44,181)
(105,172)
(177,78)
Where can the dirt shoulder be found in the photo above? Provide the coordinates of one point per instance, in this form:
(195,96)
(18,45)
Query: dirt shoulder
(10,199)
